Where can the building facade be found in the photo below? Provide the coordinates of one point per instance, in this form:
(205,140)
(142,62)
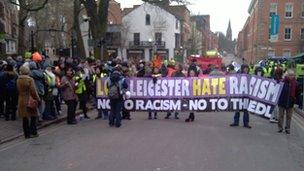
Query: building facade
(8,28)
(254,42)
(209,39)
(150,30)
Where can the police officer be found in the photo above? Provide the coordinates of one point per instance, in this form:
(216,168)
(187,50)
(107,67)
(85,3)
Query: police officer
(81,91)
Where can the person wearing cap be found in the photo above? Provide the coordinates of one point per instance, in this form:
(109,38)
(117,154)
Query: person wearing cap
(10,93)
(26,88)
(287,100)
(244,70)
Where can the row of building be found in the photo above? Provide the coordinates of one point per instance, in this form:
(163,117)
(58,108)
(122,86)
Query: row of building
(139,32)
(254,41)
(148,29)
(8,28)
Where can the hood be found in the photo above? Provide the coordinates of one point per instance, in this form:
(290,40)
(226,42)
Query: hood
(32,65)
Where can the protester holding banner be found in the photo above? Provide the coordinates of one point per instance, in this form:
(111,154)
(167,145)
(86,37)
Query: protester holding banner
(125,72)
(244,70)
(287,101)
(155,75)
(117,85)
(278,74)
(192,73)
(178,73)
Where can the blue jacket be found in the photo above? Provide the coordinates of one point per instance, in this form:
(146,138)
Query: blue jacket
(39,79)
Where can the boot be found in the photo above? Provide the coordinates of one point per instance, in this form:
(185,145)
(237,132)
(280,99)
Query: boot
(191,117)
(176,116)
(168,116)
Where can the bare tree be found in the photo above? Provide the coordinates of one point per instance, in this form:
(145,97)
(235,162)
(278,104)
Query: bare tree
(125,30)
(26,6)
(97,11)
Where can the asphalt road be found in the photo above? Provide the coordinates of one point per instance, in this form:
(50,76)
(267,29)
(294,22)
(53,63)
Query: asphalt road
(159,145)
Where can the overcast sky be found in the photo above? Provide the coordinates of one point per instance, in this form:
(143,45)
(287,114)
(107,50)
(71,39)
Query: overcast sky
(220,12)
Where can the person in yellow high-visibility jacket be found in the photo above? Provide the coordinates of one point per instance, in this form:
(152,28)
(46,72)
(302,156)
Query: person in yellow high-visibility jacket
(267,71)
(251,69)
(81,91)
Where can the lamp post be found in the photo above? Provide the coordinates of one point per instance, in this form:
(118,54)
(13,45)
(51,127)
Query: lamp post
(32,24)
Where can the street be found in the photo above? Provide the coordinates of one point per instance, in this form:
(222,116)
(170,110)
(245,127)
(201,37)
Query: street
(140,144)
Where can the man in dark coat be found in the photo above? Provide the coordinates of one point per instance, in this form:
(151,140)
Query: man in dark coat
(287,101)
(116,79)
(10,93)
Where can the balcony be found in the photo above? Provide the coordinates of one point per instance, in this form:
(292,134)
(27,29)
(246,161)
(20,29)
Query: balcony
(147,44)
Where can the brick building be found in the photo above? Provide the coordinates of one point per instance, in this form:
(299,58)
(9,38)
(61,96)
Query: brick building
(8,28)
(209,39)
(253,40)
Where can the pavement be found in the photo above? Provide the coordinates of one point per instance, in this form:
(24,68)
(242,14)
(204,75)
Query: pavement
(11,130)
(208,144)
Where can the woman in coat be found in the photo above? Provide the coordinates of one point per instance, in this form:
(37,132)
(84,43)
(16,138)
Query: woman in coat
(68,94)
(26,88)
(287,101)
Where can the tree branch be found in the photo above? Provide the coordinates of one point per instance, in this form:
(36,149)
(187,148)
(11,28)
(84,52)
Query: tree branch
(23,5)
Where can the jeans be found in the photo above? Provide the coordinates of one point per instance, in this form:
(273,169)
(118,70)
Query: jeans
(29,126)
(150,114)
(103,114)
(49,111)
(282,113)
(71,110)
(245,118)
(115,114)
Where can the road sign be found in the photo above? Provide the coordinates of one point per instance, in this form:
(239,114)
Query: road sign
(274,28)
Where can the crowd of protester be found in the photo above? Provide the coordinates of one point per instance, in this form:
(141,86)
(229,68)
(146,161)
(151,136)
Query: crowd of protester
(72,81)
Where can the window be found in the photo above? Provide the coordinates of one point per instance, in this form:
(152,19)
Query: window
(273,9)
(158,38)
(302,11)
(302,33)
(148,19)
(286,53)
(136,38)
(288,10)
(271,53)
(288,34)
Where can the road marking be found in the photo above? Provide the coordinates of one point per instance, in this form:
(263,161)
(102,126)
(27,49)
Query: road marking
(298,121)
(41,133)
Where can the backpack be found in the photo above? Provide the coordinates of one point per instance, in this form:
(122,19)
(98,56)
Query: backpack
(11,85)
(114,91)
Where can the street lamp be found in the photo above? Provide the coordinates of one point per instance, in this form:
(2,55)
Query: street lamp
(32,24)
